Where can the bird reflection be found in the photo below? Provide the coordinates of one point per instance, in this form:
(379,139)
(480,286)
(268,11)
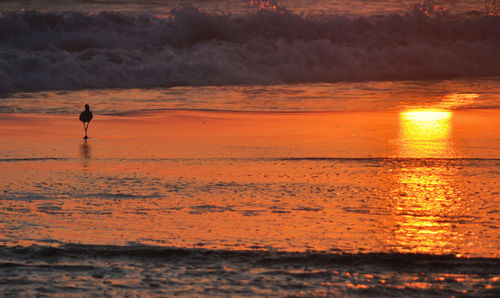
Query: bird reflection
(85,153)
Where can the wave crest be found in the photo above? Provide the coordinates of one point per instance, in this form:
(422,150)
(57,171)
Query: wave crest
(263,257)
(75,50)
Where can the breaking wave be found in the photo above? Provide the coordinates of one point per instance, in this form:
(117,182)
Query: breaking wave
(99,270)
(76,50)
(262,257)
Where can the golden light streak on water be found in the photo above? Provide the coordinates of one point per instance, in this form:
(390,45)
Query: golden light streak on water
(423,205)
(425,198)
(425,133)
(457,100)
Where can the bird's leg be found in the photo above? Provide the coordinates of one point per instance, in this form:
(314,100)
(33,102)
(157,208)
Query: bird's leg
(88,123)
(85,128)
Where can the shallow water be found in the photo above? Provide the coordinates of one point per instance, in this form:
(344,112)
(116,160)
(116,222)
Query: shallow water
(348,205)
(478,93)
(402,199)
(139,270)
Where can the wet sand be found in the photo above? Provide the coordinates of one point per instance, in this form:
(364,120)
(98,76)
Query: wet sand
(288,181)
(220,134)
(214,203)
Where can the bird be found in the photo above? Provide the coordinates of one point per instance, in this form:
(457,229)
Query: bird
(85,117)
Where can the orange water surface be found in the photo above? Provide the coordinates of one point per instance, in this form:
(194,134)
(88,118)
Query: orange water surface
(416,180)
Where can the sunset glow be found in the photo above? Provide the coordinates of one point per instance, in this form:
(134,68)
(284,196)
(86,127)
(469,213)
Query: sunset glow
(250,148)
(424,197)
(426,133)
(425,119)
(458,100)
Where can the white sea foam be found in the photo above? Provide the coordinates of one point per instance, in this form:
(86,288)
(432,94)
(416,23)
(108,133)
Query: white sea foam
(75,50)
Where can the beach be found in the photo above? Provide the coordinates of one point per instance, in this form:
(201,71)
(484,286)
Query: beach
(252,186)
(250,148)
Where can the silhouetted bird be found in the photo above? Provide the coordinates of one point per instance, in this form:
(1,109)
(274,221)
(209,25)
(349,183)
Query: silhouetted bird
(85,117)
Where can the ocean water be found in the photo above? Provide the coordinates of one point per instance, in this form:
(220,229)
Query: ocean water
(189,46)
(299,148)
(357,198)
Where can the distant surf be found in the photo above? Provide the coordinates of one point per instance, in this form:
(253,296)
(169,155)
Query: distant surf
(189,46)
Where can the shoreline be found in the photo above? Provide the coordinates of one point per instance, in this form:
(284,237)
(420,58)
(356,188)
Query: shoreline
(270,180)
(210,203)
(212,134)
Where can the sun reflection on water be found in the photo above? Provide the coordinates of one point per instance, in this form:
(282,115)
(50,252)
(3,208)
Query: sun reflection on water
(425,133)
(425,200)
(425,204)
